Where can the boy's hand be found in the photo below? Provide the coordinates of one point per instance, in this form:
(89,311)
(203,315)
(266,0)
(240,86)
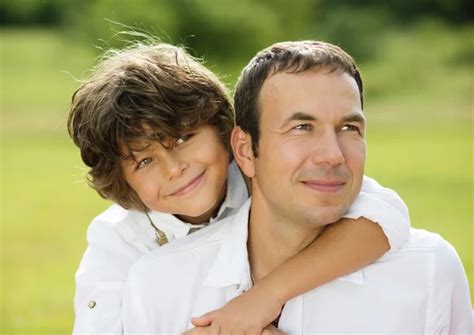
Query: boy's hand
(248,313)
(197,331)
(272,330)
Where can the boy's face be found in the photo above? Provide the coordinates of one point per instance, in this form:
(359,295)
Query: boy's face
(187,179)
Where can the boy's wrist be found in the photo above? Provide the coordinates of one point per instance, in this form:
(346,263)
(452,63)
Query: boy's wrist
(271,289)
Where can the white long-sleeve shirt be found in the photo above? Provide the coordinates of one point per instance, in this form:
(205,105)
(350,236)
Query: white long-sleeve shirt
(117,238)
(419,289)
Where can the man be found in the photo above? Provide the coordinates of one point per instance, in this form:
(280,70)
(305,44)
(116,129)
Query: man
(300,137)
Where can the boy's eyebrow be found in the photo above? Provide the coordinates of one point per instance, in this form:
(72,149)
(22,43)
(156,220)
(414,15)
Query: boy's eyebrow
(300,116)
(137,147)
(129,154)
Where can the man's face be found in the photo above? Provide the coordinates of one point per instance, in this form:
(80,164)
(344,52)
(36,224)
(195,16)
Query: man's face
(187,179)
(312,146)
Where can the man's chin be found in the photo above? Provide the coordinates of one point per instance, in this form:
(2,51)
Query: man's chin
(328,214)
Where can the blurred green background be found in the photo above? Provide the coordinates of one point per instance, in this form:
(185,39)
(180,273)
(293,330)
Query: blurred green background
(416,58)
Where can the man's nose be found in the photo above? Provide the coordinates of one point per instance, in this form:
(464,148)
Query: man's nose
(174,165)
(328,150)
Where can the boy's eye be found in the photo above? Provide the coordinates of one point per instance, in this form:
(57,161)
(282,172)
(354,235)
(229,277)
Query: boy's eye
(183,138)
(144,162)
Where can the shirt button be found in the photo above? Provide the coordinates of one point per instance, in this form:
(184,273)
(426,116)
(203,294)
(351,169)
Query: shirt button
(91,304)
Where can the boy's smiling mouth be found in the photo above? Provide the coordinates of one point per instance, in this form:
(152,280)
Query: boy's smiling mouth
(190,186)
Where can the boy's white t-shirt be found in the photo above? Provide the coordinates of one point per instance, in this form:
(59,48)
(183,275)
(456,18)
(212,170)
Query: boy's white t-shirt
(117,238)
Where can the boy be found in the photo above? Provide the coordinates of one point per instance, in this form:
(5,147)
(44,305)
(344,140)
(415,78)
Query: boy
(153,125)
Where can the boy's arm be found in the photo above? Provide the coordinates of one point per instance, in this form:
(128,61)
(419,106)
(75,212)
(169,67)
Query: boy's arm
(100,280)
(342,248)
(383,206)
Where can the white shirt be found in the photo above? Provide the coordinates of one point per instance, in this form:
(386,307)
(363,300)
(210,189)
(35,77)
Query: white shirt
(118,237)
(419,289)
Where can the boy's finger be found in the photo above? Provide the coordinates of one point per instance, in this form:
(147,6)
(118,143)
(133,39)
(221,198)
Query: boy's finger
(272,330)
(203,320)
(214,329)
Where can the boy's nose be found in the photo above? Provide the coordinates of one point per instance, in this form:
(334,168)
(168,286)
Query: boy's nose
(175,166)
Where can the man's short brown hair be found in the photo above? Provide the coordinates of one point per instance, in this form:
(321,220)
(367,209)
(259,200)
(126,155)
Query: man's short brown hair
(291,57)
(151,92)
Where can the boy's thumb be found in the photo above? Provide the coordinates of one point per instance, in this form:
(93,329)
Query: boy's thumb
(203,320)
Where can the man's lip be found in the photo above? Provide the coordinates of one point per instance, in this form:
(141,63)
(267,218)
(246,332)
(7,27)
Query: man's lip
(328,186)
(194,183)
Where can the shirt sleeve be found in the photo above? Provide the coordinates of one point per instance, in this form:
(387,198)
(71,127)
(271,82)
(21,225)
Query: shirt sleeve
(135,316)
(100,280)
(449,306)
(385,207)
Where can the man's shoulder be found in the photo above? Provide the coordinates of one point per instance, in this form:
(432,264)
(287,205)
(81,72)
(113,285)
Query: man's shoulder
(430,248)
(422,240)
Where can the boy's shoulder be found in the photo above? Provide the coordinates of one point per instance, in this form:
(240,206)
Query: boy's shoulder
(116,216)
(201,244)
(115,220)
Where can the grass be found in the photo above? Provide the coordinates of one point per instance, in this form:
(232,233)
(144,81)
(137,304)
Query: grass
(420,144)
(45,204)
(434,177)
(45,210)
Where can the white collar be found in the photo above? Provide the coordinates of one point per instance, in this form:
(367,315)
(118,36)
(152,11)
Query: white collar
(236,193)
(231,266)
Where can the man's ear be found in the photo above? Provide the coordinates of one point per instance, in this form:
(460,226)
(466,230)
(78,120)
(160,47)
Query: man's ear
(243,154)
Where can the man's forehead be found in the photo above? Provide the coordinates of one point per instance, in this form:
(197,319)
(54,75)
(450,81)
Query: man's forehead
(302,93)
(274,82)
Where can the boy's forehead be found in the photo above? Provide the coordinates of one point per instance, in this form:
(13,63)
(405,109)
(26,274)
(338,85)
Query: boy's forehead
(142,137)
(129,147)
(137,144)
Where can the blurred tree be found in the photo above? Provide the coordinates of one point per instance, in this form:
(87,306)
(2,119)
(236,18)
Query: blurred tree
(359,30)
(53,12)
(225,30)
(33,12)
(228,30)
(94,20)
(233,31)
(407,11)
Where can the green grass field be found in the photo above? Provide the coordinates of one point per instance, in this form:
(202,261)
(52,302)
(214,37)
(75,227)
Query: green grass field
(420,144)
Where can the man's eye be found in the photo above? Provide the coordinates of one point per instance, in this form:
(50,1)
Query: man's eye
(305,126)
(350,127)
(144,162)
(183,138)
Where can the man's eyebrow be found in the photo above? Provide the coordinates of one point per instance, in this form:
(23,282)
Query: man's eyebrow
(299,116)
(355,117)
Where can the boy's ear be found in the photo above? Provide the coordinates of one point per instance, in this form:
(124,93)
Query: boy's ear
(243,154)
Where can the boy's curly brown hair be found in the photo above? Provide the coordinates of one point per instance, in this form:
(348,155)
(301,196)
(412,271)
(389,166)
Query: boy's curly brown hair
(152,92)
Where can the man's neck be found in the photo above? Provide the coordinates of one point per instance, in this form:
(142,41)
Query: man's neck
(273,239)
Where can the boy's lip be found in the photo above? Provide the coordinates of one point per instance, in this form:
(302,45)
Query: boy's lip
(190,186)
